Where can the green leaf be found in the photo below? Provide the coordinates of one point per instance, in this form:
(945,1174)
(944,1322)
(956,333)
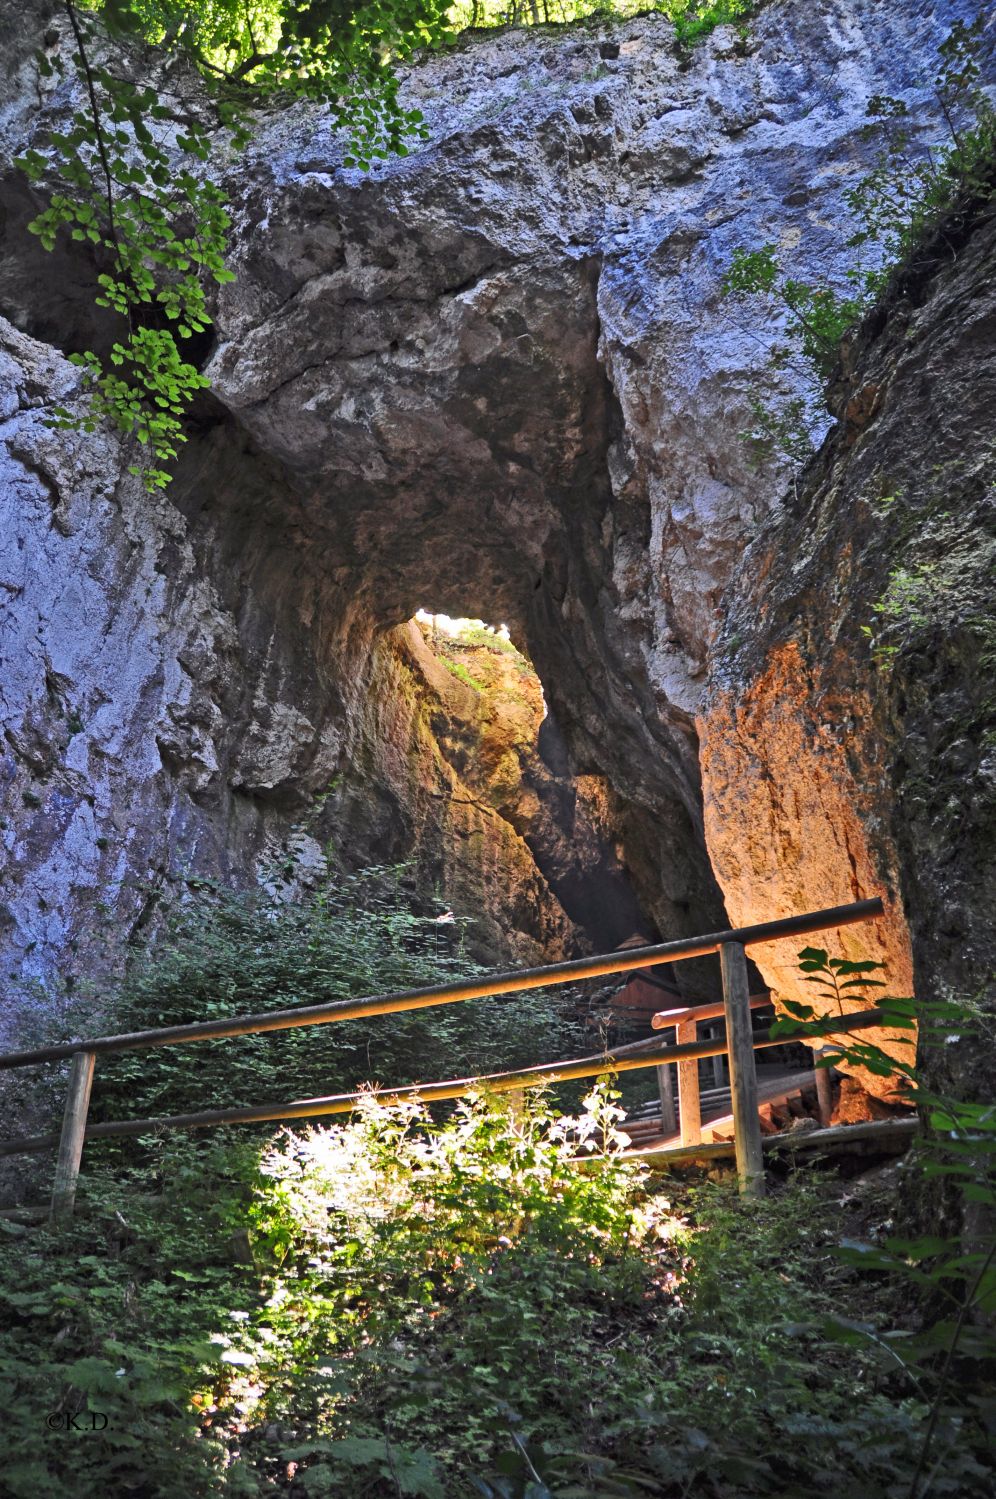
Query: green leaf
(928,1246)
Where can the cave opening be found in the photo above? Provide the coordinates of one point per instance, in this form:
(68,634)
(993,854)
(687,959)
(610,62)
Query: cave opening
(502,750)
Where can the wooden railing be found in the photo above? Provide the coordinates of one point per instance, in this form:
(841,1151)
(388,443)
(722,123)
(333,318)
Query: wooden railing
(740,1045)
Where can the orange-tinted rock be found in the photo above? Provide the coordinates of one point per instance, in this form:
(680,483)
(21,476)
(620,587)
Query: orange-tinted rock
(854,1104)
(791,813)
(447,772)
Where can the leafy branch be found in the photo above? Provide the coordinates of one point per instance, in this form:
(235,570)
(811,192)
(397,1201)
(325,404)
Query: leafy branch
(159,234)
(132,170)
(836,975)
(960,1147)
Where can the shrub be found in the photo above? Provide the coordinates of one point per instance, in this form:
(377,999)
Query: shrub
(229,952)
(437,1309)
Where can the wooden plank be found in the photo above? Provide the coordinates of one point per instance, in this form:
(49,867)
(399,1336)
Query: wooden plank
(824,1094)
(715,1032)
(67,1166)
(870,1137)
(517,1106)
(663,1020)
(444,994)
(743,1073)
(769,1090)
(665,1090)
(689,1106)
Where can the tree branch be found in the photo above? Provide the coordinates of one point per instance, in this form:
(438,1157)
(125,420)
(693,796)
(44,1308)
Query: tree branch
(98,130)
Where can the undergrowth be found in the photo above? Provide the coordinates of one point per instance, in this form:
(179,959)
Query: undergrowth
(693,20)
(420,1306)
(227,952)
(397,1307)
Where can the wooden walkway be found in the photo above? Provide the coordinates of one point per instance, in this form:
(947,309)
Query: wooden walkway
(873,1137)
(740,1045)
(775,1085)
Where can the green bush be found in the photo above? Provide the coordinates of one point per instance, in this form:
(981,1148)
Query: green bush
(397,1306)
(694,21)
(228,952)
(949,1273)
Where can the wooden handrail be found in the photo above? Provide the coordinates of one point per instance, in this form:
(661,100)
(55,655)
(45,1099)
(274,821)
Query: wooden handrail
(443,994)
(708,1010)
(730,945)
(626,1059)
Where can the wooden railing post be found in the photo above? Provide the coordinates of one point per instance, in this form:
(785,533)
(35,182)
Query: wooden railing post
(67,1166)
(447,994)
(714,1033)
(743,1073)
(824,1090)
(689,1105)
(624,1059)
(665,1091)
(517,1107)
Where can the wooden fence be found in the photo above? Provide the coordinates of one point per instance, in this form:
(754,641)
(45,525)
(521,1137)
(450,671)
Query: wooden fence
(740,1045)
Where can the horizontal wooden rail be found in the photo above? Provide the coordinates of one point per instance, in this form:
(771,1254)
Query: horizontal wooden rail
(708,1010)
(625,1059)
(443,994)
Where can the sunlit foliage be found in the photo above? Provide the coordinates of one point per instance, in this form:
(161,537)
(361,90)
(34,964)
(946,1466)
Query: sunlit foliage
(441,1309)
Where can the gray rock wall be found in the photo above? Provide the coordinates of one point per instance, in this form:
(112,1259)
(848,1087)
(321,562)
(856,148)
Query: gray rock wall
(493,378)
(833,761)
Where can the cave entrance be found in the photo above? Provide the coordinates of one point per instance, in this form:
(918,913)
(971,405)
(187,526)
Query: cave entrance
(463,643)
(481,792)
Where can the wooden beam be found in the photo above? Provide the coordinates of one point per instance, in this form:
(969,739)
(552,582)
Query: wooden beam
(665,1091)
(67,1165)
(623,1059)
(891,1136)
(709,1010)
(824,1092)
(445,994)
(715,1033)
(743,1073)
(689,1104)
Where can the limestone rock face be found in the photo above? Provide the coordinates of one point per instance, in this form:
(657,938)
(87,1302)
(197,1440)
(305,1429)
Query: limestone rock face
(497,378)
(848,742)
(185,698)
(794,784)
(137,698)
(458,762)
(521,324)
